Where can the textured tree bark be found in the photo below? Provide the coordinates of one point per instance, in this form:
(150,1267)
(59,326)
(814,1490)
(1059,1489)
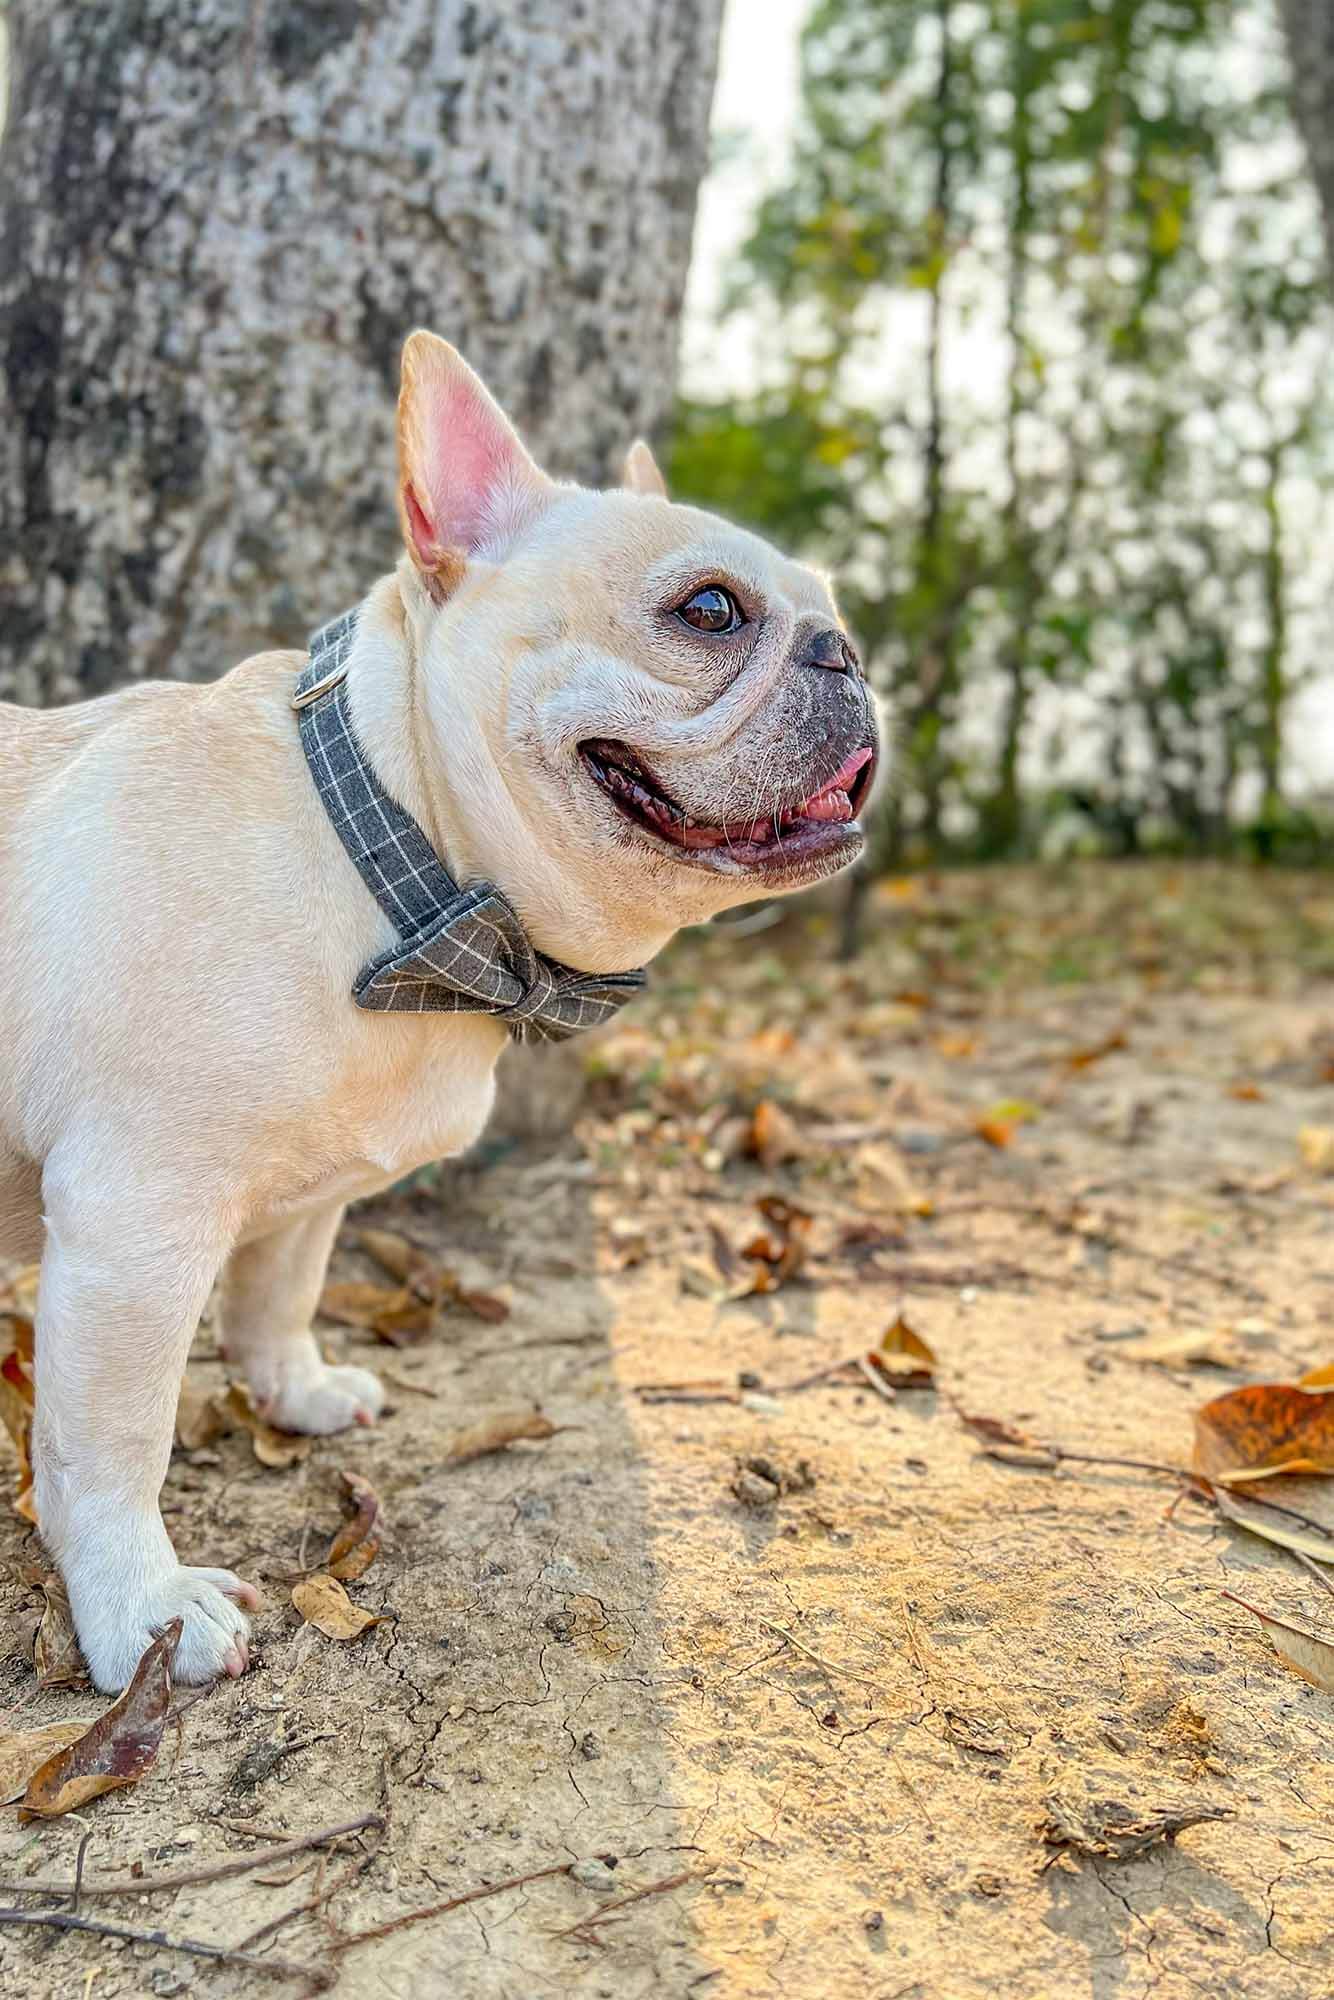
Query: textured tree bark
(218,218)
(1310,30)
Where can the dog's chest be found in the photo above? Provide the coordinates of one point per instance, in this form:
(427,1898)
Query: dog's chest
(423,1100)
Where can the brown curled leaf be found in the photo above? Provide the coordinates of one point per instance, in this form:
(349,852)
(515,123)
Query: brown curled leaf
(200,1418)
(277,1449)
(55,1651)
(119,1747)
(357,1543)
(497,1432)
(904,1356)
(398,1317)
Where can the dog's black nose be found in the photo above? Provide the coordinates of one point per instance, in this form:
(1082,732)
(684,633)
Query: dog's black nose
(831,649)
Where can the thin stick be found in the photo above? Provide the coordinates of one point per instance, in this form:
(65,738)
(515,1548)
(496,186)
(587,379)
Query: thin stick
(324,1894)
(320,1976)
(78,1867)
(419,1916)
(830,1666)
(1315,1570)
(653,1398)
(187,1878)
(589,1923)
(824,1374)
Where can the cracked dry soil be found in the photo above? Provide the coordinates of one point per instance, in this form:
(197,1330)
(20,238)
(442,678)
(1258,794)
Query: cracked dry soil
(839,1716)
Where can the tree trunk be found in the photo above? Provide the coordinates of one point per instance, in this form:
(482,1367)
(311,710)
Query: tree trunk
(1310,27)
(218,219)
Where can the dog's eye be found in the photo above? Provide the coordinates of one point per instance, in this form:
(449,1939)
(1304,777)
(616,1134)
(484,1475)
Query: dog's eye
(712,610)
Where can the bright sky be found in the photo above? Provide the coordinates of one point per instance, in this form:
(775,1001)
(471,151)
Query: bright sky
(754,111)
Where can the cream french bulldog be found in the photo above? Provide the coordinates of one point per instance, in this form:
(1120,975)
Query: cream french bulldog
(626,714)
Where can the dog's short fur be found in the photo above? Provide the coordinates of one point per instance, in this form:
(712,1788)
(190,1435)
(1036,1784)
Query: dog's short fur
(186,1086)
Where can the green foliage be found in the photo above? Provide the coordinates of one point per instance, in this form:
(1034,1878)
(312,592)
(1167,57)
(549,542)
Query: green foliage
(1043,279)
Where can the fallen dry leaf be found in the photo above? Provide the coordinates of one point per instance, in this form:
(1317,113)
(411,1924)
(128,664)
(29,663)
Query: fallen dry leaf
(1273,1527)
(24,1751)
(323,1603)
(1179,1350)
(56,1658)
(16,1406)
(1246,1093)
(200,1418)
(497,1432)
(490,1306)
(357,1543)
(119,1747)
(1263,1430)
(403,1260)
(904,1356)
(998,1132)
(883,1182)
(783,1247)
(773,1137)
(398,1317)
(1007,1443)
(277,1449)
(1305,1652)
(1080,1059)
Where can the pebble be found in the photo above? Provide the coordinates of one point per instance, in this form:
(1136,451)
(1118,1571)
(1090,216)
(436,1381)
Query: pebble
(593,1874)
(760,1405)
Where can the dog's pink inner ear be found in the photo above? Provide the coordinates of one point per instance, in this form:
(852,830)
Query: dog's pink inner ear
(467,482)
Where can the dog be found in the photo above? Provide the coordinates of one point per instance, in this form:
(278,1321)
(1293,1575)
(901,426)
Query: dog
(617,714)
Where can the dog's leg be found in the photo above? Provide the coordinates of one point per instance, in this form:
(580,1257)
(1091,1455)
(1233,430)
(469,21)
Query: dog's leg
(119,1299)
(269,1295)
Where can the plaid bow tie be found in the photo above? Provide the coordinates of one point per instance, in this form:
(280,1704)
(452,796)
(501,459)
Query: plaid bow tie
(460,951)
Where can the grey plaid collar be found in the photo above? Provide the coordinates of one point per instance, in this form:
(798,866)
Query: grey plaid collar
(460,951)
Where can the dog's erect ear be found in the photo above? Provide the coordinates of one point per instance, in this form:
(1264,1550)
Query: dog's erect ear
(465,480)
(640,472)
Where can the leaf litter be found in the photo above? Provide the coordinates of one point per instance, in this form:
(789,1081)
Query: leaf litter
(117,1749)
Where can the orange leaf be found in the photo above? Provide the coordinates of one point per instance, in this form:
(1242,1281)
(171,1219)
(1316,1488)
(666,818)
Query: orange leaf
(996,1131)
(1263,1430)
(904,1356)
(357,1543)
(773,1137)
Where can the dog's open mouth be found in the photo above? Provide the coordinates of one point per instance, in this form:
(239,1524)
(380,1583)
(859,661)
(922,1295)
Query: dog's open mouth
(795,834)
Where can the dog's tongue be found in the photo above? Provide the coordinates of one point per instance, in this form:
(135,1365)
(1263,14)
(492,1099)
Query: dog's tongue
(832,800)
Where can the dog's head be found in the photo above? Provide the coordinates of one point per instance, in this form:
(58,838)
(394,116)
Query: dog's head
(654,713)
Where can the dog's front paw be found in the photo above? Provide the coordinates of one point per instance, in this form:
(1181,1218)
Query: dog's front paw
(116,1626)
(325,1399)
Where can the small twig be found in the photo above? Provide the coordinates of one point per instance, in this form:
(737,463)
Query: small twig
(830,1666)
(1064,1457)
(415,1388)
(323,1894)
(425,1910)
(1315,1570)
(587,1926)
(78,1866)
(653,1398)
(188,1878)
(825,1374)
(320,1976)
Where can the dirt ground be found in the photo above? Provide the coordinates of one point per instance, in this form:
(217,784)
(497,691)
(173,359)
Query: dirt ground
(822,1724)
